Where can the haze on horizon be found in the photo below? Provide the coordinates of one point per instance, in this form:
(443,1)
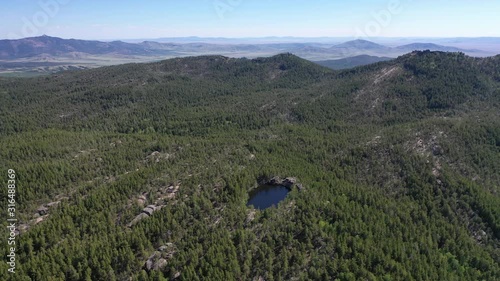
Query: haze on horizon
(128,19)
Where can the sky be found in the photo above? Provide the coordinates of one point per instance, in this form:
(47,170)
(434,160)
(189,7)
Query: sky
(136,19)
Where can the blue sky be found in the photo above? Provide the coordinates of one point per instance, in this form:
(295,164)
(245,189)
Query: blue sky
(130,19)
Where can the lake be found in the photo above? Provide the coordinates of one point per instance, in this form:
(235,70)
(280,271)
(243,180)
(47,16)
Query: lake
(266,196)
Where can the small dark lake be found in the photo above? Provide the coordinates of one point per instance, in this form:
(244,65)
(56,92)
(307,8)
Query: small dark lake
(266,196)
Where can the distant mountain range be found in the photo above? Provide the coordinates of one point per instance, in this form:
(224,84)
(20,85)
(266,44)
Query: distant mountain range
(46,45)
(87,54)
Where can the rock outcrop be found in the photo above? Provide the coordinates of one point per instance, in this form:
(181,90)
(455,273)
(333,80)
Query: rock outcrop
(149,210)
(137,219)
(288,182)
(162,194)
(42,211)
(159,259)
(146,213)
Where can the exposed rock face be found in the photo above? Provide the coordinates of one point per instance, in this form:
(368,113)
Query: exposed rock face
(250,216)
(52,204)
(149,263)
(38,220)
(159,259)
(149,210)
(288,182)
(155,264)
(172,189)
(23,227)
(141,200)
(162,194)
(146,212)
(275,181)
(161,263)
(137,219)
(42,211)
(157,156)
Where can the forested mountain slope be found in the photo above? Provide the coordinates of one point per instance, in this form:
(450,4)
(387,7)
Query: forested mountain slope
(399,161)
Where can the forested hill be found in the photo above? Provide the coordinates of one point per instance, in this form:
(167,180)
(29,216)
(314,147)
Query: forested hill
(169,93)
(399,161)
